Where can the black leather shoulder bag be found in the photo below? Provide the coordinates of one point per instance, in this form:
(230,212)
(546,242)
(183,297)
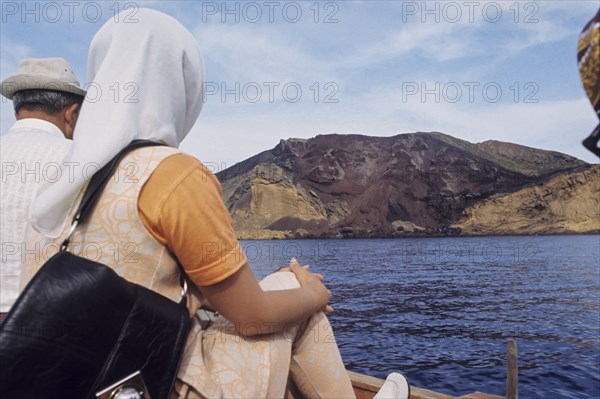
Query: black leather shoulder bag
(79,330)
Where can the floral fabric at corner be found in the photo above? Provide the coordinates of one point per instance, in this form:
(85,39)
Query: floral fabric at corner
(258,367)
(217,362)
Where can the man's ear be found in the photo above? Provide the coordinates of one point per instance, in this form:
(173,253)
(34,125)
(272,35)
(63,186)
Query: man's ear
(69,119)
(71,113)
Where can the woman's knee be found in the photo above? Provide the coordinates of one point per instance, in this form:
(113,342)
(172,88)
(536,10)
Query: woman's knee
(279,281)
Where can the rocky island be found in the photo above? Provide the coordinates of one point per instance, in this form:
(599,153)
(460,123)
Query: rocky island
(416,184)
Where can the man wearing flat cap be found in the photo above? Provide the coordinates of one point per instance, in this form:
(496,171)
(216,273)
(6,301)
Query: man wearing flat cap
(46,97)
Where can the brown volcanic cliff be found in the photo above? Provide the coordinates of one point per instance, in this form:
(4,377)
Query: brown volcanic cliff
(360,186)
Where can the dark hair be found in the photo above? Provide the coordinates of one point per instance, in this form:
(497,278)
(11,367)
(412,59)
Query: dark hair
(50,101)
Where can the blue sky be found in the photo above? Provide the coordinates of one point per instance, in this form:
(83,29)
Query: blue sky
(477,70)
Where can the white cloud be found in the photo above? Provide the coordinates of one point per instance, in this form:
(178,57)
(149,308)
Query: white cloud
(368,54)
(12,54)
(540,23)
(436,41)
(531,35)
(558,125)
(250,53)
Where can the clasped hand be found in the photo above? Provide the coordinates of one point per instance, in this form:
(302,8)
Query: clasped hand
(312,282)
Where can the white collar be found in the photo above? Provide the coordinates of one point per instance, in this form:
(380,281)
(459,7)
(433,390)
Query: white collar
(37,124)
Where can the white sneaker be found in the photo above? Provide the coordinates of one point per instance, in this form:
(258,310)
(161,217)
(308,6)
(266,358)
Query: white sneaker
(395,387)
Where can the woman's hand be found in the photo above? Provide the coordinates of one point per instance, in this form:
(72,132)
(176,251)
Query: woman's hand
(313,282)
(240,299)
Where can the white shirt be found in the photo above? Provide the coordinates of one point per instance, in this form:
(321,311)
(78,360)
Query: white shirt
(30,156)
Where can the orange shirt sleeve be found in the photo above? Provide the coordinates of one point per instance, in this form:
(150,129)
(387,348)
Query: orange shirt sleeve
(181,206)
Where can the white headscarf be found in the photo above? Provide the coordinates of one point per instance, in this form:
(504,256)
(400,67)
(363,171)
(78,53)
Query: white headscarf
(148,80)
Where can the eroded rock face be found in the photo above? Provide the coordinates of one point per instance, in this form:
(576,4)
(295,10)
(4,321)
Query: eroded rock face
(265,200)
(567,203)
(358,186)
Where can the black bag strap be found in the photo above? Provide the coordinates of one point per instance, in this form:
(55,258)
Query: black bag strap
(100,178)
(94,190)
(97,184)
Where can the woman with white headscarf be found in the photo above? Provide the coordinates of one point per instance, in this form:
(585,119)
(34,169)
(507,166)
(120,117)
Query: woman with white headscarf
(163,206)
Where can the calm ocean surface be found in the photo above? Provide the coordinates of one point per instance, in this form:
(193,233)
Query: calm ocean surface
(441,310)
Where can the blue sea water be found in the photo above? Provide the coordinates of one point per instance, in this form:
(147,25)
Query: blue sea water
(441,310)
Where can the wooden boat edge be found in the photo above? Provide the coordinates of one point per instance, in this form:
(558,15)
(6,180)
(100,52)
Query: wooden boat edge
(365,387)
